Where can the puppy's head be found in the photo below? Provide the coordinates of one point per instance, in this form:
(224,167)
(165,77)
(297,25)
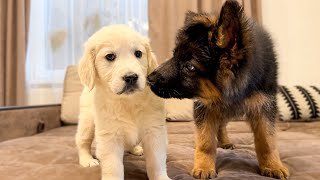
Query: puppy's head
(117,58)
(208,52)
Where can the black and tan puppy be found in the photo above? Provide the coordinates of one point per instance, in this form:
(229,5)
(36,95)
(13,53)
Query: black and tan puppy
(228,64)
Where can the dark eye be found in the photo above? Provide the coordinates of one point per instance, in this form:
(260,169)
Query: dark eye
(110,57)
(138,54)
(189,67)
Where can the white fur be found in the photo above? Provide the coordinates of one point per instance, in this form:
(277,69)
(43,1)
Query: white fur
(120,122)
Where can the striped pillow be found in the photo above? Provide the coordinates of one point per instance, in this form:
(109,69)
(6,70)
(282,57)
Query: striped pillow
(299,102)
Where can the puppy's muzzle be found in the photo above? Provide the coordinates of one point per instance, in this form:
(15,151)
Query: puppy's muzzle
(130,79)
(131,84)
(155,78)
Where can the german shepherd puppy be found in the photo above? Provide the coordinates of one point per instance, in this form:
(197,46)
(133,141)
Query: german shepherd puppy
(228,64)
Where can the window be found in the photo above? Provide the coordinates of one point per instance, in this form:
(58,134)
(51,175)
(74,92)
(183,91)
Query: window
(58,30)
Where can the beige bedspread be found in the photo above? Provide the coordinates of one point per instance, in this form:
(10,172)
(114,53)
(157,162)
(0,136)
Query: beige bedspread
(52,155)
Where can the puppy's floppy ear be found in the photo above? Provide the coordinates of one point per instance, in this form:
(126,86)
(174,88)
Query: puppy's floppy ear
(229,24)
(87,71)
(152,60)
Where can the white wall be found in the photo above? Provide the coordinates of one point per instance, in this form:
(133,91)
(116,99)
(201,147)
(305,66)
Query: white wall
(295,28)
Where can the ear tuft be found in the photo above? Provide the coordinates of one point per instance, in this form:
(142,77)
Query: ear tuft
(189,17)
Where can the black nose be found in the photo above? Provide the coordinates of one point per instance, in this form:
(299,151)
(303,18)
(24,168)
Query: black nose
(130,78)
(150,80)
(154,78)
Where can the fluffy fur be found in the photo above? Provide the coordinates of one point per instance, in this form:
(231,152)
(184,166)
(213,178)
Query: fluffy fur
(118,112)
(228,64)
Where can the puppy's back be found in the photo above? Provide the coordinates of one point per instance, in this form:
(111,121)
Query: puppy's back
(264,66)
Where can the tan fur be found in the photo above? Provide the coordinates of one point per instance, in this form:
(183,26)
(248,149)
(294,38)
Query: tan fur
(264,133)
(222,39)
(223,139)
(210,36)
(207,20)
(209,93)
(256,101)
(266,149)
(205,151)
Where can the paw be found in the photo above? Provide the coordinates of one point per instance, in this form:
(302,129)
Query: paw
(227,146)
(89,162)
(203,173)
(137,150)
(279,172)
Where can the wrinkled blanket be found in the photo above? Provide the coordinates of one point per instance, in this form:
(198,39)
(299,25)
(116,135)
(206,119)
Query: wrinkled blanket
(52,154)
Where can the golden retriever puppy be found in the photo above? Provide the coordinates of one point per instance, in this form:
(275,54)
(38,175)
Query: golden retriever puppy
(117,107)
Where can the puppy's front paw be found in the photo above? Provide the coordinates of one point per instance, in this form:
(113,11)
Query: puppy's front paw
(277,171)
(89,162)
(203,173)
(137,150)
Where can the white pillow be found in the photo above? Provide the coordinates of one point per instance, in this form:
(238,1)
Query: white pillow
(299,103)
(71,95)
(179,110)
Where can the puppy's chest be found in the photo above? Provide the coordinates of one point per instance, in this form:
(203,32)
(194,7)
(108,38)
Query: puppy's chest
(220,111)
(123,123)
(130,134)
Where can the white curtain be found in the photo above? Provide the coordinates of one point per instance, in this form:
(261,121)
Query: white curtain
(58,29)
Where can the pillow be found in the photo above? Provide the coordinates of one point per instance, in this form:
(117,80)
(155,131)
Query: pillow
(176,110)
(72,90)
(299,103)
(179,110)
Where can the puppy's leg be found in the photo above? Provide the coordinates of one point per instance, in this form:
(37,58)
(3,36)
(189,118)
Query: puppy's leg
(155,150)
(84,138)
(223,139)
(205,152)
(263,127)
(110,153)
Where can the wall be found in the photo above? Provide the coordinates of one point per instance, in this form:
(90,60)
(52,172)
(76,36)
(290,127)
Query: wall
(295,27)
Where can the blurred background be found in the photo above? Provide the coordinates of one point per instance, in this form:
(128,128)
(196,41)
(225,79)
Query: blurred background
(40,38)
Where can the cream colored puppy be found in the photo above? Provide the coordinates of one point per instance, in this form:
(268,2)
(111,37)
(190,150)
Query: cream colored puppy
(117,107)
